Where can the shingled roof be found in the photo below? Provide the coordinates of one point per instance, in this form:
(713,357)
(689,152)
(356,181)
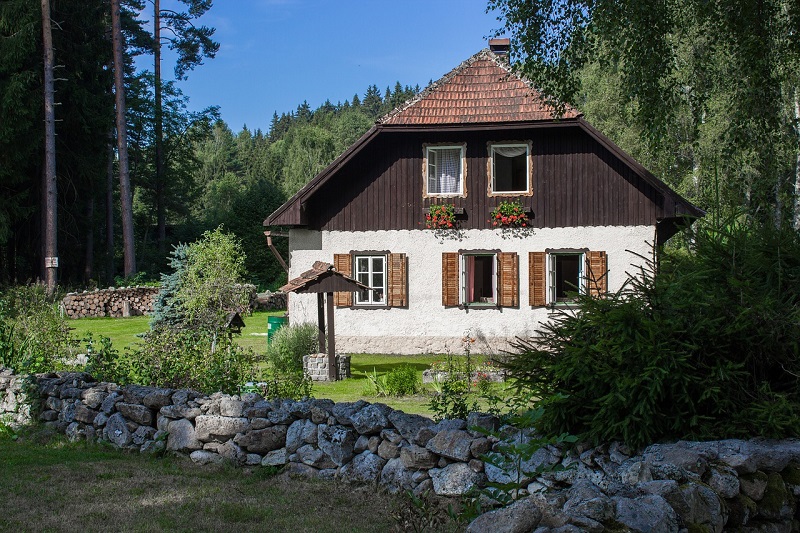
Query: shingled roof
(482,89)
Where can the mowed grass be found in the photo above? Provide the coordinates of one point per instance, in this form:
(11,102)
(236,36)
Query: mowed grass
(53,485)
(124,333)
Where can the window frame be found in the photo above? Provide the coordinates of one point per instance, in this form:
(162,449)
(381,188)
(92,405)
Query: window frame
(463,255)
(552,256)
(426,148)
(490,170)
(371,254)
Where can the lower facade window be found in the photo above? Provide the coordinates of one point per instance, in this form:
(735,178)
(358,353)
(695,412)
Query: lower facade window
(371,271)
(566,275)
(480,285)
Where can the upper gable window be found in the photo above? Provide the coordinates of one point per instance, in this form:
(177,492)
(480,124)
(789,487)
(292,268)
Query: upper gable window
(510,169)
(444,170)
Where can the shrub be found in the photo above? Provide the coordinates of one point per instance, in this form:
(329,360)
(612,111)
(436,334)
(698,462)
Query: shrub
(181,359)
(289,344)
(705,349)
(34,337)
(402,381)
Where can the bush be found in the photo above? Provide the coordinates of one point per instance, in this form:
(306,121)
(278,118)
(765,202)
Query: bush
(34,337)
(402,381)
(705,349)
(184,359)
(289,344)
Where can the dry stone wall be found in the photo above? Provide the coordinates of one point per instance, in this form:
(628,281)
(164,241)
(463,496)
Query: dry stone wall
(126,301)
(686,486)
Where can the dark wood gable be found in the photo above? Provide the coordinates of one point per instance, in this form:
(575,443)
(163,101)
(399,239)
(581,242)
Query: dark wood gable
(577,181)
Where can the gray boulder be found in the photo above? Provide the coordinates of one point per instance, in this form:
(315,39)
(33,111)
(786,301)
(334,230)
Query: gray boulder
(157,398)
(311,456)
(203,457)
(370,420)
(231,407)
(263,440)
(455,479)
(275,458)
(521,516)
(337,442)
(219,428)
(396,477)
(365,467)
(646,514)
(453,444)
(416,457)
(409,425)
(116,431)
(182,436)
(299,433)
(136,413)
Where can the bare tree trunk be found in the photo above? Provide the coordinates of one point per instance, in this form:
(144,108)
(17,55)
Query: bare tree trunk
(797,162)
(125,192)
(110,211)
(88,266)
(49,187)
(159,127)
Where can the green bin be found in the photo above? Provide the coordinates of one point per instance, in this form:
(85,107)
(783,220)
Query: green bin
(274,323)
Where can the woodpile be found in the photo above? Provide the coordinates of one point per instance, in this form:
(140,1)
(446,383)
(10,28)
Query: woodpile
(127,301)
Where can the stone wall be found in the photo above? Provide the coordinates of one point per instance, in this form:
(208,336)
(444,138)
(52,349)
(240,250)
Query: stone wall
(695,486)
(316,366)
(126,301)
(15,409)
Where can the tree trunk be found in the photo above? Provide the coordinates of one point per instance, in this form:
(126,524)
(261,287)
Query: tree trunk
(797,161)
(88,266)
(159,131)
(110,211)
(125,192)
(49,176)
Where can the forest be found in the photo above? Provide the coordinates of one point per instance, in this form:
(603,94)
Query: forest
(710,105)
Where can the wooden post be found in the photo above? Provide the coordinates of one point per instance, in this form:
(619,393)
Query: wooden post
(321,320)
(333,371)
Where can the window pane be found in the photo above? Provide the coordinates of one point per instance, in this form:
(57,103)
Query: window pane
(377,264)
(510,167)
(479,278)
(567,273)
(363,264)
(444,170)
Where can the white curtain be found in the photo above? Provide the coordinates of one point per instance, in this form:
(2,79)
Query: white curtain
(510,151)
(449,171)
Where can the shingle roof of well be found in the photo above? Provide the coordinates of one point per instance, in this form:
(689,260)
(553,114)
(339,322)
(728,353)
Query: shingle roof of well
(481,89)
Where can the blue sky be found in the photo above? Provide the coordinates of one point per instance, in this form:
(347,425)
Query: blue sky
(276,53)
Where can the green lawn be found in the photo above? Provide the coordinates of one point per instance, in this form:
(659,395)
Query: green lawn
(123,333)
(48,484)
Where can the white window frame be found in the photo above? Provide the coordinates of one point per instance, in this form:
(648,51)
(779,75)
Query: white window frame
(427,164)
(528,190)
(372,298)
(465,277)
(552,257)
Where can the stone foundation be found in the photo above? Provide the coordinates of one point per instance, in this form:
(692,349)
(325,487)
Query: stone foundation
(316,366)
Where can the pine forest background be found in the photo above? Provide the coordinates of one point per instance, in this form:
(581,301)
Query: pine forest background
(191,172)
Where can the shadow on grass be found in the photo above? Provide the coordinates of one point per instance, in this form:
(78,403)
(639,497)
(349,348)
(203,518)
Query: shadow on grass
(384,368)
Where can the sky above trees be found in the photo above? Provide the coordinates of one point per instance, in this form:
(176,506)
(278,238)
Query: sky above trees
(275,54)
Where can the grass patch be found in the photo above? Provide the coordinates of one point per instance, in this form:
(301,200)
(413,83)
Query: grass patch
(124,332)
(55,486)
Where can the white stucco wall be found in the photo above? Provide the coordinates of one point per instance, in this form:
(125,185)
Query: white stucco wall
(426,326)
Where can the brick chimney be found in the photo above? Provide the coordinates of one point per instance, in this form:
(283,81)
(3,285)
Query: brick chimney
(500,46)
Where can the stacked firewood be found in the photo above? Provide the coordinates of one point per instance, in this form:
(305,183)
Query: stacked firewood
(127,301)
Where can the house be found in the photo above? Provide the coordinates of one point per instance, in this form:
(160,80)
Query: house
(478,137)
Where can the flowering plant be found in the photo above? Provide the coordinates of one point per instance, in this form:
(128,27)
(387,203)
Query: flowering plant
(509,214)
(441,216)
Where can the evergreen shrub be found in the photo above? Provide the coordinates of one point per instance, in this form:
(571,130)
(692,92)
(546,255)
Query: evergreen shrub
(289,344)
(707,348)
(402,381)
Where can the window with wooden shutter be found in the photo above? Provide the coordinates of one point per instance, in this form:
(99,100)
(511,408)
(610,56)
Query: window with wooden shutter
(398,280)
(597,273)
(508,282)
(343,263)
(450,283)
(537,278)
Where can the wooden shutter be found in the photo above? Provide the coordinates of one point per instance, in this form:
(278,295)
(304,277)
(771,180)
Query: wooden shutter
(508,279)
(597,275)
(450,284)
(343,263)
(537,278)
(398,280)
